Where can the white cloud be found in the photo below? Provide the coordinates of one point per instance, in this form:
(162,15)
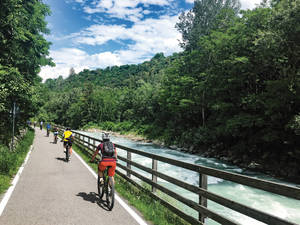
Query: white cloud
(246,4)
(71,57)
(249,4)
(125,9)
(148,38)
(99,34)
(146,12)
(148,35)
(155,2)
(155,35)
(78,1)
(106,4)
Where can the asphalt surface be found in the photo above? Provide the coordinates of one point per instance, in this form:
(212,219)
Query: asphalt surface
(51,191)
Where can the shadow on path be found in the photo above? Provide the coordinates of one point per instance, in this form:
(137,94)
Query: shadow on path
(93,198)
(61,159)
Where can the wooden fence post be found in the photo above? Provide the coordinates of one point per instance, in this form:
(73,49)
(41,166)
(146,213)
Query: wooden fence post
(154,177)
(128,164)
(202,200)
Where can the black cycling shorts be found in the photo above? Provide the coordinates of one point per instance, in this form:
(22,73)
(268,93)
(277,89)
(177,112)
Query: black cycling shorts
(69,142)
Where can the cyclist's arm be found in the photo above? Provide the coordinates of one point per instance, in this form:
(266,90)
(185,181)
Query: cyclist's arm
(63,137)
(95,153)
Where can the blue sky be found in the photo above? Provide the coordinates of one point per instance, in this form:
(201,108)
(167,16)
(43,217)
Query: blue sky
(90,34)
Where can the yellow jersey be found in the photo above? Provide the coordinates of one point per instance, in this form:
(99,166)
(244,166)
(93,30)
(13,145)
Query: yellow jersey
(67,135)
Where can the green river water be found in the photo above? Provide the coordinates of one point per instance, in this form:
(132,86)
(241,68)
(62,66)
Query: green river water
(282,207)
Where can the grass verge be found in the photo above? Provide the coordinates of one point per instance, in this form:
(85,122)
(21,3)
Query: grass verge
(152,210)
(10,161)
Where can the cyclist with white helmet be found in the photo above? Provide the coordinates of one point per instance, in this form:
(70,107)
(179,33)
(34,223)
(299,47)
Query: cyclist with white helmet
(108,157)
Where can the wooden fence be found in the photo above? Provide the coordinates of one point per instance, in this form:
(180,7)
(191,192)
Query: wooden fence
(89,144)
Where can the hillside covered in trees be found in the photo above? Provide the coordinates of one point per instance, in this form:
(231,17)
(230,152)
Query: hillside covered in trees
(232,93)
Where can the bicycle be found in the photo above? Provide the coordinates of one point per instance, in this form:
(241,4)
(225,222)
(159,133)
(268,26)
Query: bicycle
(55,137)
(67,152)
(107,188)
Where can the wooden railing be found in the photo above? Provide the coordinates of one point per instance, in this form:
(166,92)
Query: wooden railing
(89,144)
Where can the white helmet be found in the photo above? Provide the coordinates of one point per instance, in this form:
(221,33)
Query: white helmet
(105,136)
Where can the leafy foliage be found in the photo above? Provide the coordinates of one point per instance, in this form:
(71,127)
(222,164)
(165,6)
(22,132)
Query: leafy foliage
(234,88)
(10,161)
(23,50)
(203,18)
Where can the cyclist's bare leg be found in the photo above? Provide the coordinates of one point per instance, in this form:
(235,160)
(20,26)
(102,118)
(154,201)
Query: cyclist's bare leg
(113,180)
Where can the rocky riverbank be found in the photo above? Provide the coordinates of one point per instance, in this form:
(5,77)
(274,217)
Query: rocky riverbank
(286,168)
(130,136)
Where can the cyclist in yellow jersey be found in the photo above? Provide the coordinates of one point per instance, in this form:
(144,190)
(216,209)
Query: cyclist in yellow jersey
(68,138)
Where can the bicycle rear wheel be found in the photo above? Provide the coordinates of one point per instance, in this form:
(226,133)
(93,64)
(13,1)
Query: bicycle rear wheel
(100,188)
(67,153)
(110,194)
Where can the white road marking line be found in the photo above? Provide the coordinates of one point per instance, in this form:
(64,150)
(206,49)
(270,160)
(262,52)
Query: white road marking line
(14,183)
(125,206)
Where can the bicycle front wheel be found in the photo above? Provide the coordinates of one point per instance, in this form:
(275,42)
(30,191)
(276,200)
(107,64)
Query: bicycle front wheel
(110,194)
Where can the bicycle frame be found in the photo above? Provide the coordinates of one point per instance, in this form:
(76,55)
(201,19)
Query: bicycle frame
(108,188)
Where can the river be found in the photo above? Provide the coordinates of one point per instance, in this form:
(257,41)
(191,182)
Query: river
(280,206)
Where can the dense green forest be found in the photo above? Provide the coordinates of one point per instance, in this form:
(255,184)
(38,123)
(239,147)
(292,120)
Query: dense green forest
(23,50)
(231,92)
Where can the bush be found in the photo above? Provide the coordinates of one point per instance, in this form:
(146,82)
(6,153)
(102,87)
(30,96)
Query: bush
(89,125)
(11,160)
(125,126)
(7,160)
(108,125)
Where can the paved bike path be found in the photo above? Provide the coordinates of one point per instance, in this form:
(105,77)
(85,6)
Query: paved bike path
(51,191)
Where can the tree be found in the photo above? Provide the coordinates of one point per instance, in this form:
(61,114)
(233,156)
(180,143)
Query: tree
(72,72)
(201,19)
(23,50)
(13,89)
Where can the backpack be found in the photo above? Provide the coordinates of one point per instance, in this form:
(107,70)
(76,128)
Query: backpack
(108,149)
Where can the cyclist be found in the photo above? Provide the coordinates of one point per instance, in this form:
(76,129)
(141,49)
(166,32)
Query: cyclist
(55,133)
(68,138)
(48,129)
(109,157)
